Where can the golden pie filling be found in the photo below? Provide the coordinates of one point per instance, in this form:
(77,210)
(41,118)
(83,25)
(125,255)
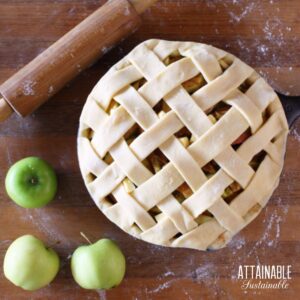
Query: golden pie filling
(181,144)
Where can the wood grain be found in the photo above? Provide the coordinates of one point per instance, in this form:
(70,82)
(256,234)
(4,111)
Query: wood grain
(78,49)
(266,34)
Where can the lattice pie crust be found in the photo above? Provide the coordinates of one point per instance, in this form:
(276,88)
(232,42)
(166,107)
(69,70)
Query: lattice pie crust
(181,144)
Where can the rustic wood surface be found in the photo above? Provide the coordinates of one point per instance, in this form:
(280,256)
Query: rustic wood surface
(264,33)
(75,51)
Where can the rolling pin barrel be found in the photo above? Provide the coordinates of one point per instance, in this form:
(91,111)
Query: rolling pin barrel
(75,51)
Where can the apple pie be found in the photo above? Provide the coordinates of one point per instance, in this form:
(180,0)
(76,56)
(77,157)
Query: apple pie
(181,144)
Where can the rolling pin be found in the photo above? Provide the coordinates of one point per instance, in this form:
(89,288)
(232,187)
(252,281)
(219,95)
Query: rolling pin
(65,59)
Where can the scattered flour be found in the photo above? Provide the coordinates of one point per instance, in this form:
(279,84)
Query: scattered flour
(48,223)
(269,239)
(271,235)
(50,90)
(161,287)
(274,31)
(168,273)
(28,88)
(104,50)
(263,49)
(246,10)
(295,134)
(79,69)
(237,243)
(267,48)
(206,274)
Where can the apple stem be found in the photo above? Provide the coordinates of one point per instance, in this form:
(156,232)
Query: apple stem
(86,238)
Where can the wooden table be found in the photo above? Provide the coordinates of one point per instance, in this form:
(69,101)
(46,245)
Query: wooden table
(266,34)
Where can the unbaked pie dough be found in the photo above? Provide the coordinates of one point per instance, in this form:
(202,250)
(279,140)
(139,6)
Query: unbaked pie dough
(181,144)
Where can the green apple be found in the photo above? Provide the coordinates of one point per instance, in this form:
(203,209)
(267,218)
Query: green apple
(98,266)
(31,182)
(29,264)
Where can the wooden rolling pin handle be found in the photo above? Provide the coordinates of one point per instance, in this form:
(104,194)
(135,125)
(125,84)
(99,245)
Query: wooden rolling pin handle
(5,110)
(78,49)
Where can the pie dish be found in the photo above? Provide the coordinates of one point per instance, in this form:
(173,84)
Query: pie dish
(181,144)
